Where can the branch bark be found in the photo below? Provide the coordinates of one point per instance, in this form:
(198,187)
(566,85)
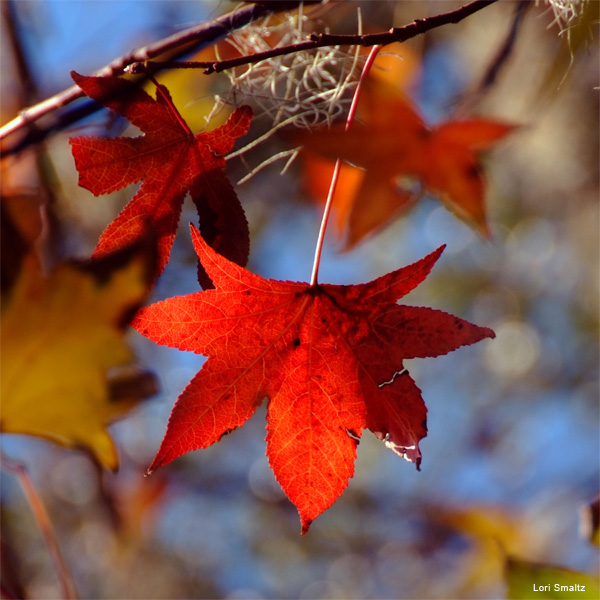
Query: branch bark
(179,43)
(191,38)
(395,34)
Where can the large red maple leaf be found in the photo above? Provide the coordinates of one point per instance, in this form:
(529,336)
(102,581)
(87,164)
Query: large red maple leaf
(328,357)
(171,161)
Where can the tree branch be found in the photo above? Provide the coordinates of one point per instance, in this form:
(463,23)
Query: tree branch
(186,40)
(44,523)
(499,61)
(396,34)
(180,43)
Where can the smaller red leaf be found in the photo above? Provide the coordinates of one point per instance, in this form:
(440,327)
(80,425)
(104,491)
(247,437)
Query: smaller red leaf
(170,161)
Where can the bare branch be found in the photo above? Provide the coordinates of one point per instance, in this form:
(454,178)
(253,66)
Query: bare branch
(185,41)
(500,59)
(44,523)
(396,34)
(180,43)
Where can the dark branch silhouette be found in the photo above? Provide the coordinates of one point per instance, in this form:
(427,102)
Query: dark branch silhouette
(140,61)
(179,44)
(396,34)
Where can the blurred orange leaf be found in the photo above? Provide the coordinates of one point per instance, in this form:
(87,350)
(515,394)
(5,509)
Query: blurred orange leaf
(396,150)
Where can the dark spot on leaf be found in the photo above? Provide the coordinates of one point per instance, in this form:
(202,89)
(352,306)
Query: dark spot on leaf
(474,171)
(248,293)
(315,290)
(297,342)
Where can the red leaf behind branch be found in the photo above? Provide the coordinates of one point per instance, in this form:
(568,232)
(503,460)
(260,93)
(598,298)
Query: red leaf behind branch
(170,161)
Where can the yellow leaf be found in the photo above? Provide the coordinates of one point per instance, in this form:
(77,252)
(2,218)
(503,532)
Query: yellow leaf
(61,334)
(194,92)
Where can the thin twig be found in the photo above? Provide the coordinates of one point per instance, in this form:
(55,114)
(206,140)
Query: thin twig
(505,50)
(500,59)
(45,524)
(289,154)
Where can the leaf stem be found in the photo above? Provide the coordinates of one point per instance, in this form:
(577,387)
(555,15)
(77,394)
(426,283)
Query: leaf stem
(45,524)
(336,170)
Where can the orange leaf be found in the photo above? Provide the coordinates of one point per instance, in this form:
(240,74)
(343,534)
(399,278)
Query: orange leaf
(317,177)
(392,143)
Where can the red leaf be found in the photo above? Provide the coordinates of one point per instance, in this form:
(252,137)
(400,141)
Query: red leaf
(170,161)
(328,358)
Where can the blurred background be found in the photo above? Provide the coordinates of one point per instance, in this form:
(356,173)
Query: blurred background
(511,459)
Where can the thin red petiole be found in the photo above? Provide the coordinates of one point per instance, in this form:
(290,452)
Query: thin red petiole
(336,170)
(45,524)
